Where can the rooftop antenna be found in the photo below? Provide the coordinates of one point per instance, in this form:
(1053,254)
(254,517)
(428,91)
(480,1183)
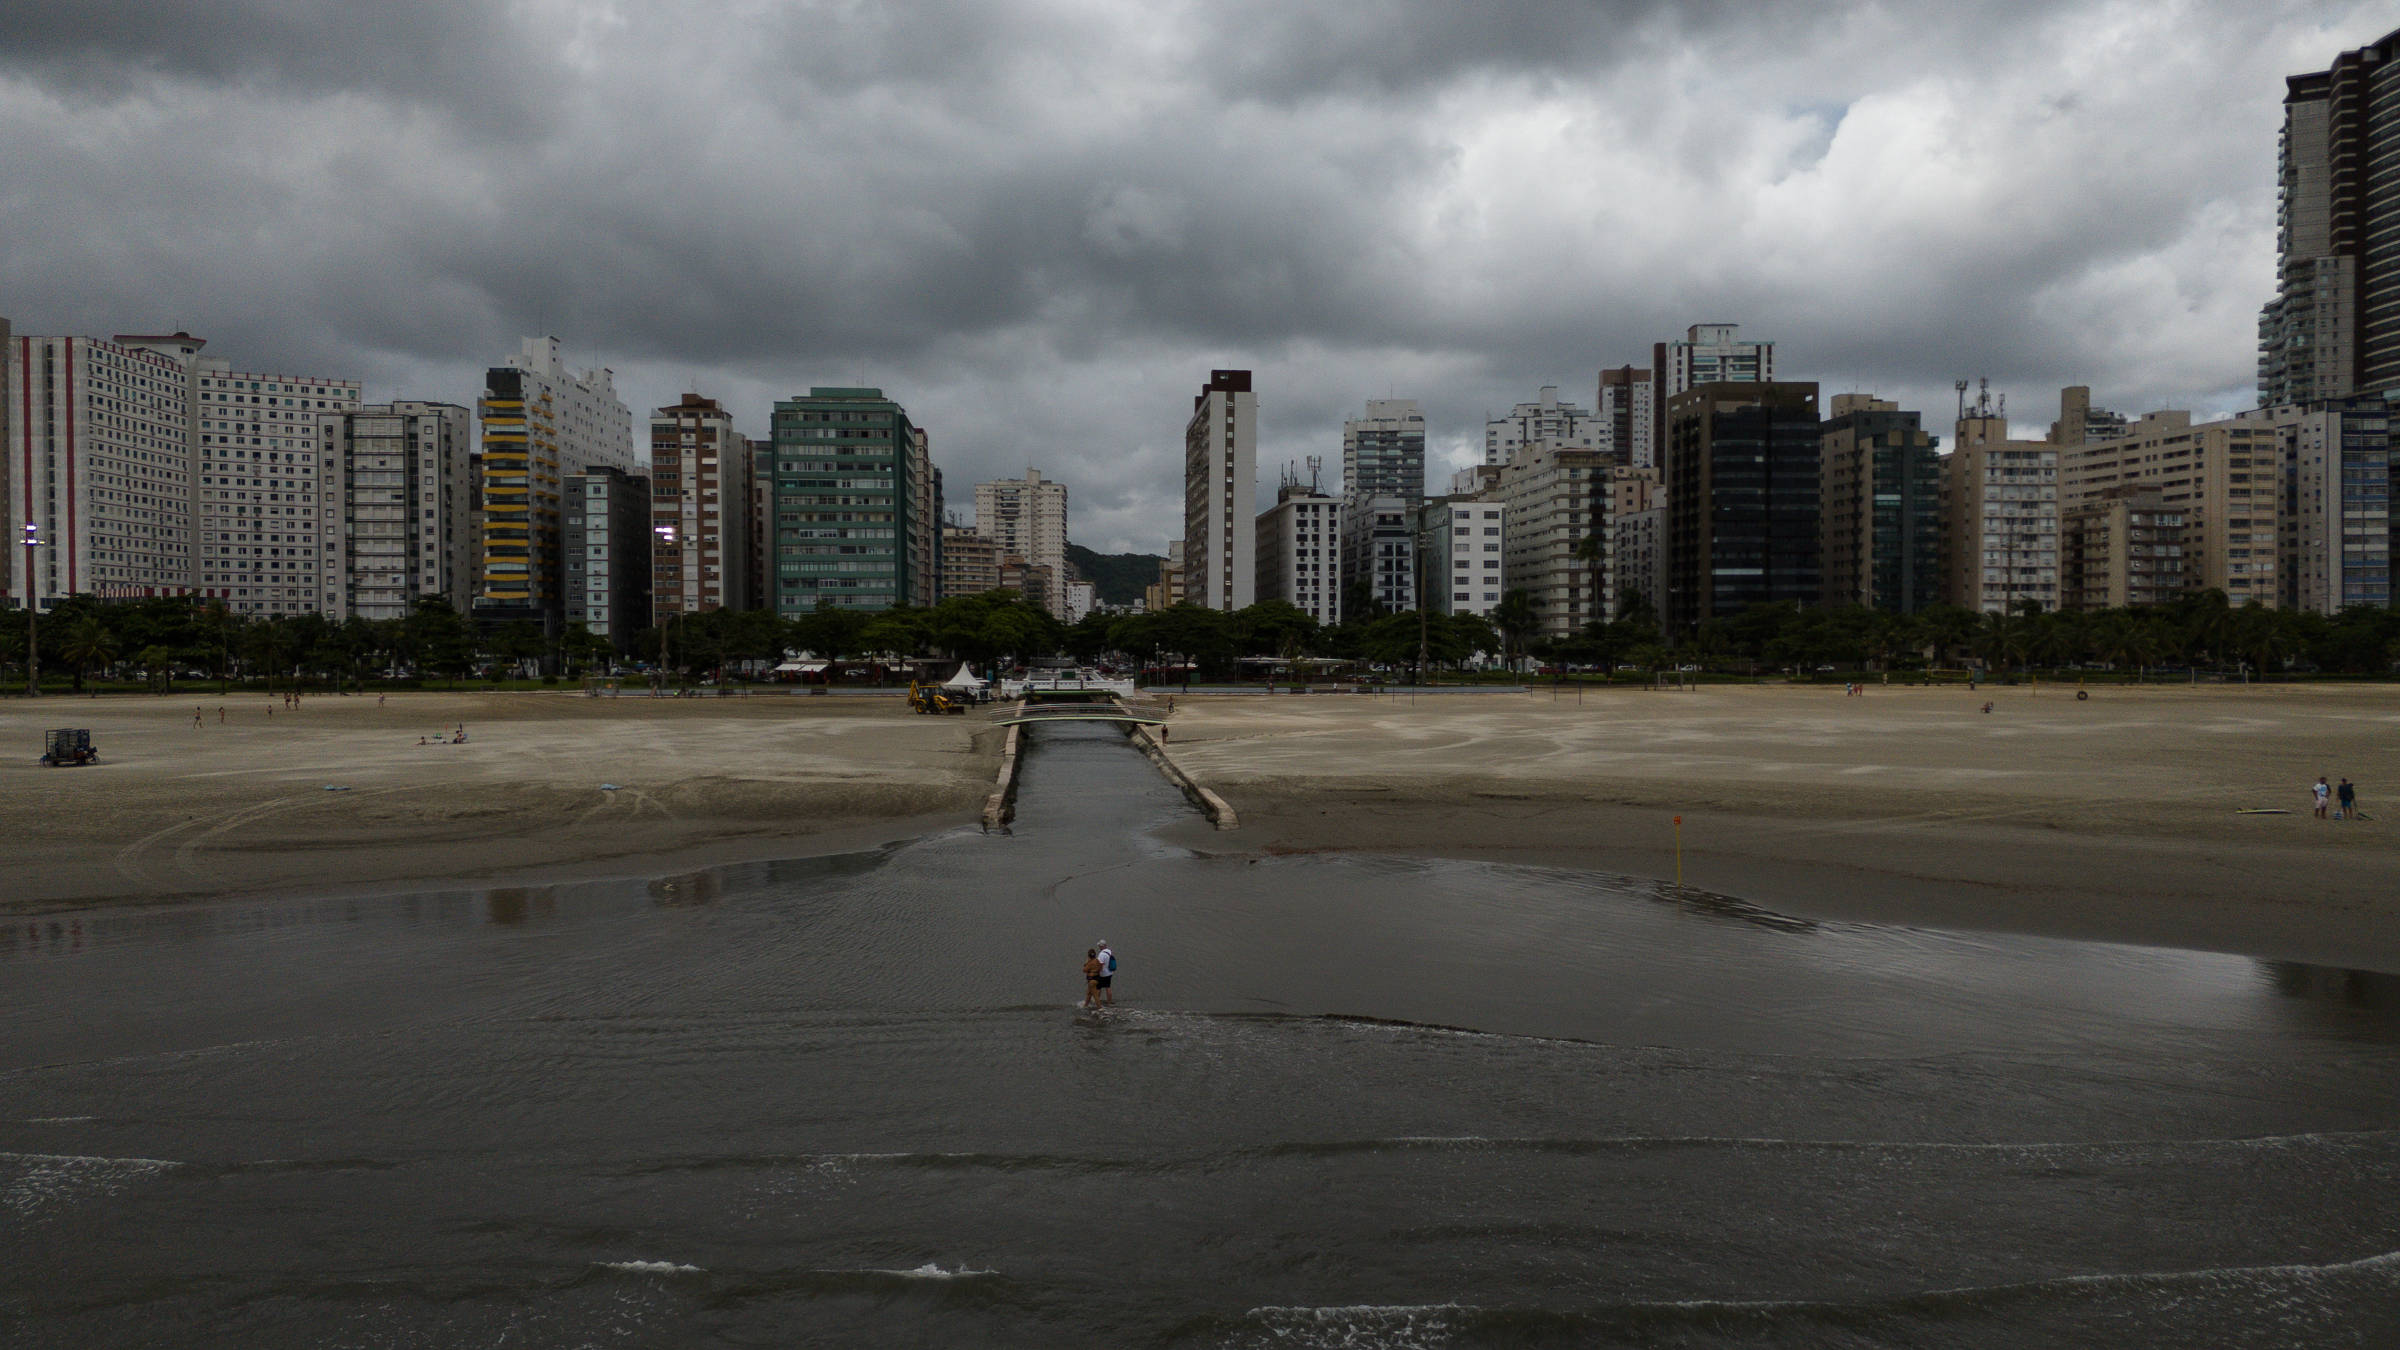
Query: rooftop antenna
(1961,386)
(1316,467)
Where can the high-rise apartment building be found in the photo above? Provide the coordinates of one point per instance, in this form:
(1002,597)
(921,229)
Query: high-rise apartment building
(1743,479)
(1628,412)
(1465,550)
(1027,518)
(268,541)
(16,513)
(2221,477)
(1383,484)
(1707,353)
(970,562)
(2333,328)
(2339,461)
(700,490)
(758,558)
(605,533)
(541,424)
(1638,557)
(1880,528)
(1552,498)
(1547,421)
(400,496)
(2079,423)
(1299,549)
(2000,503)
(925,521)
(103,463)
(1220,489)
(1383,452)
(2123,547)
(846,501)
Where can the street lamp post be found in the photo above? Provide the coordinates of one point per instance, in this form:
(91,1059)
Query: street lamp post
(666,536)
(33,645)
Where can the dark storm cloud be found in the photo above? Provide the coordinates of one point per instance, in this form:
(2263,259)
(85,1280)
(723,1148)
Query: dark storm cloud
(1041,223)
(463,55)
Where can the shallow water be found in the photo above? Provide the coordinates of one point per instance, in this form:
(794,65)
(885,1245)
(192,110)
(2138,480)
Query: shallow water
(1343,1101)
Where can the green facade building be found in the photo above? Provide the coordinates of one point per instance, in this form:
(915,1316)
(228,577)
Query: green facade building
(844,502)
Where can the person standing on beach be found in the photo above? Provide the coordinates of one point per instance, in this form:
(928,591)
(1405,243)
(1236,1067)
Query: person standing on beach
(2347,798)
(1091,977)
(1108,972)
(195,714)
(2320,792)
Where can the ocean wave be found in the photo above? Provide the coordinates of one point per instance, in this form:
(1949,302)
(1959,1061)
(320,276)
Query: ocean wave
(1773,1144)
(931,1270)
(2129,1151)
(2211,1299)
(31,1183)
(650,1267)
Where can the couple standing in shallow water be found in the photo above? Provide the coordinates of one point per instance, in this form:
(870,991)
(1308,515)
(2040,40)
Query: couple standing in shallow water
(1099,972)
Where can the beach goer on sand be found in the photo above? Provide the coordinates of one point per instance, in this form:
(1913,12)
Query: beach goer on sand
(2320,792)
(1108,972)
(2346,800)
(220,714)
(1091,977)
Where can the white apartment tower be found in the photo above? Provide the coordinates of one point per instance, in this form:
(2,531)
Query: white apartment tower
(1563,425)
(2001,502)
(1628,413)
(101,464)
(1299,551)
(1220,472)
(269,523)
(1465,548)
(1027,518)
(400,495)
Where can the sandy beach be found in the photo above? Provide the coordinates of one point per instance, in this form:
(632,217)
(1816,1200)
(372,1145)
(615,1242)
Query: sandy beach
(2116,817)
(240,803)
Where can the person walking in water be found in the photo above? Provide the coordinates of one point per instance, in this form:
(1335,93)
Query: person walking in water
(1108,972)
(1091,977)
(2320,792)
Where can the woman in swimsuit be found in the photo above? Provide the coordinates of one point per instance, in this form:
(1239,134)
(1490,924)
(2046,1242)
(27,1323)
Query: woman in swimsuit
(1091,978)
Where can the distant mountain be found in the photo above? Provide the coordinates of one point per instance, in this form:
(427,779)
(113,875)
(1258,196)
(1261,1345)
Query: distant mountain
(1117,578)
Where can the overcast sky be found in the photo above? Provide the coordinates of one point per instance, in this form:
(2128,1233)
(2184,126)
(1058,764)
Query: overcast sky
(1040,225)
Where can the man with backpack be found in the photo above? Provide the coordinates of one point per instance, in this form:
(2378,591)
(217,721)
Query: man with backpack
(1108,972)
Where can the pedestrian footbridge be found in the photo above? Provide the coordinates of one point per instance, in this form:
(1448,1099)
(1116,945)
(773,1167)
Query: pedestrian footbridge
(1037,712)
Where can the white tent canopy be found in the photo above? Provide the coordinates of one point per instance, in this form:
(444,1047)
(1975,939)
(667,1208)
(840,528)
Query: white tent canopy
(964,679)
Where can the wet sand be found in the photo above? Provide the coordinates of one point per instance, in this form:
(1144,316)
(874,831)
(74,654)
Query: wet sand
(2112,818)
(240,805)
